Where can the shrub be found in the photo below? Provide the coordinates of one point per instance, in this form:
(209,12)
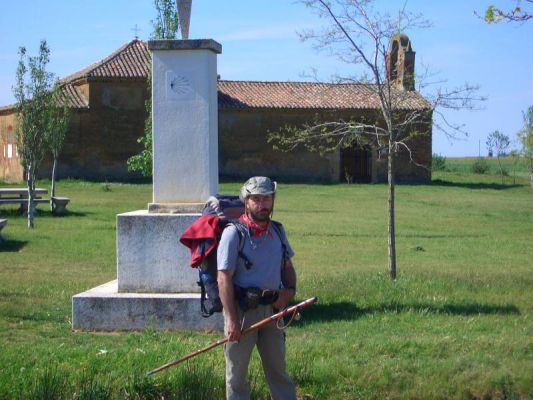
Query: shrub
(480,166)
(438,163)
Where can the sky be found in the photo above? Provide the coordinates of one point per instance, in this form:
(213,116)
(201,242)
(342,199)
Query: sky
(260,42)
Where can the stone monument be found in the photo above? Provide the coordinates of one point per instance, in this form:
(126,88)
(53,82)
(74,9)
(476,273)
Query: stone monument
(155,287)
(184,17)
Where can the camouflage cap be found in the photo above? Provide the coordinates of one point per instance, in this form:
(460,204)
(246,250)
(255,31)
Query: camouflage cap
(258,185)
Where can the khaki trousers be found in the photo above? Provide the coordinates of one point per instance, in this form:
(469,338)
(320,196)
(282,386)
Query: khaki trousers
(270,343)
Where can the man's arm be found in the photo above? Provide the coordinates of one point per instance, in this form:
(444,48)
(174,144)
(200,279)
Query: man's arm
(227,296)
(288,278)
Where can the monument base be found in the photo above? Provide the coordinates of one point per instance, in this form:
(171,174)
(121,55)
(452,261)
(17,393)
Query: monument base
(150,258)
(103,308)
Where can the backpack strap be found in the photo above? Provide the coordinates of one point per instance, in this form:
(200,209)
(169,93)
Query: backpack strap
(242,231)
(278,228)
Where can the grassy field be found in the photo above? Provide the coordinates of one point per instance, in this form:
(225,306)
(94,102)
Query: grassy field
(513,168)
(457,323)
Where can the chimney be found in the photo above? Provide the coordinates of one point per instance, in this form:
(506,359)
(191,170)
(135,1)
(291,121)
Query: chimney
(400,62)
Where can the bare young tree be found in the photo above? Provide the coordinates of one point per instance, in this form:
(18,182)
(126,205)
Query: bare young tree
(60,118)
(357,34)
(33,96)
(499,142)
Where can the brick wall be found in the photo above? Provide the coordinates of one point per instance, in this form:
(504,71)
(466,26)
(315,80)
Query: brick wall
(244,151)
(102,137)
(10,168)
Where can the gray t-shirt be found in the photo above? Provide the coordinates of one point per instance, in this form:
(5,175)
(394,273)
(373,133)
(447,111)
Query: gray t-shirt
(265,253)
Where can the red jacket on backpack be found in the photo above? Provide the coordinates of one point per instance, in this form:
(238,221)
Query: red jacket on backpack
(201,237)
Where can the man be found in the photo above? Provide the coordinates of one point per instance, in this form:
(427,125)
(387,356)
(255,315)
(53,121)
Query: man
(257,259)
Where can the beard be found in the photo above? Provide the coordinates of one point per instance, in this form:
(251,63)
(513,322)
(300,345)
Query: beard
(263,215)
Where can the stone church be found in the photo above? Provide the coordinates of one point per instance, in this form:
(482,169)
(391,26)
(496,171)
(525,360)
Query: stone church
(107,100)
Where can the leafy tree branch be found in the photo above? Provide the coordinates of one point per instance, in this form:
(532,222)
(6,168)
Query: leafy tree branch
(519,13)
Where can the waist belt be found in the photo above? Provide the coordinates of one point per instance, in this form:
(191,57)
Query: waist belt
(250,298)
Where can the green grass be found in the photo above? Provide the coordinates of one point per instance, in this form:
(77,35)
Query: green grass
(512,167)
(457,323)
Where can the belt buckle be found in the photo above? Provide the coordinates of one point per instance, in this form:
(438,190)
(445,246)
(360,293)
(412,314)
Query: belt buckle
(268,296)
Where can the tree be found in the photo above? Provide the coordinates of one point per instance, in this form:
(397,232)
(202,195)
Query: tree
(500,143)
(165,27)
(34,104)
(359,35)
(166,22)
(515,157)
(517,14)
(60,118)
(525,136)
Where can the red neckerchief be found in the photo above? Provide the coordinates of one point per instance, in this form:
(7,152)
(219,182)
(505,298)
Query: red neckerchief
(255,229)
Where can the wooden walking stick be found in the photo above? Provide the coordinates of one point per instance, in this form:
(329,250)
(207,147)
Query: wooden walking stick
(290,310)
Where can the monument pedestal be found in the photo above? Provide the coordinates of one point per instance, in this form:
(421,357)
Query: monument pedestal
(155,286)
(103,308)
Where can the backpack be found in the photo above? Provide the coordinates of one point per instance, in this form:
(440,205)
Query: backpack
(228,209)
(202,238)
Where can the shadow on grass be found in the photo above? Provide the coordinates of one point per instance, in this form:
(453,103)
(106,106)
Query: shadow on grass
(12,246)
(379,236)
(344,311)
(16,213)
(473,185)
(70,214)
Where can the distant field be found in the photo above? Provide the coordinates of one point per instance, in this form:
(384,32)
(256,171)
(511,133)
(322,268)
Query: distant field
(511,166)
(456,324)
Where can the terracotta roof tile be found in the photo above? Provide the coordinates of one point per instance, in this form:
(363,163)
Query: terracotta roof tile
(301,95)
(131,61)
(73,93)
(75,96)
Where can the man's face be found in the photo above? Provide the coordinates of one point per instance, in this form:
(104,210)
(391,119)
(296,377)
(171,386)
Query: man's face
(259,207)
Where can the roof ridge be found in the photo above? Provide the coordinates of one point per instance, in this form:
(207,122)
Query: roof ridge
(289,82)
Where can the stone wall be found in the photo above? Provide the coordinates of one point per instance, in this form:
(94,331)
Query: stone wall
(10,168)
(102,137)
(244,150)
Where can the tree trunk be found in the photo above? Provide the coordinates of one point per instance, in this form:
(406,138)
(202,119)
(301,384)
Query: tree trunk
(392,237)
(31,183)
(53,185)
(500,165)
(531,171)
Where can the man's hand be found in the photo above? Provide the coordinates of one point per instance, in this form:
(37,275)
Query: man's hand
(233,328)
(227,296)
(284,297)
(288,278)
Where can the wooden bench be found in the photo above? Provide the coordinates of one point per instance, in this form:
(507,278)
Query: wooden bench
(20,196)
(22,201)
